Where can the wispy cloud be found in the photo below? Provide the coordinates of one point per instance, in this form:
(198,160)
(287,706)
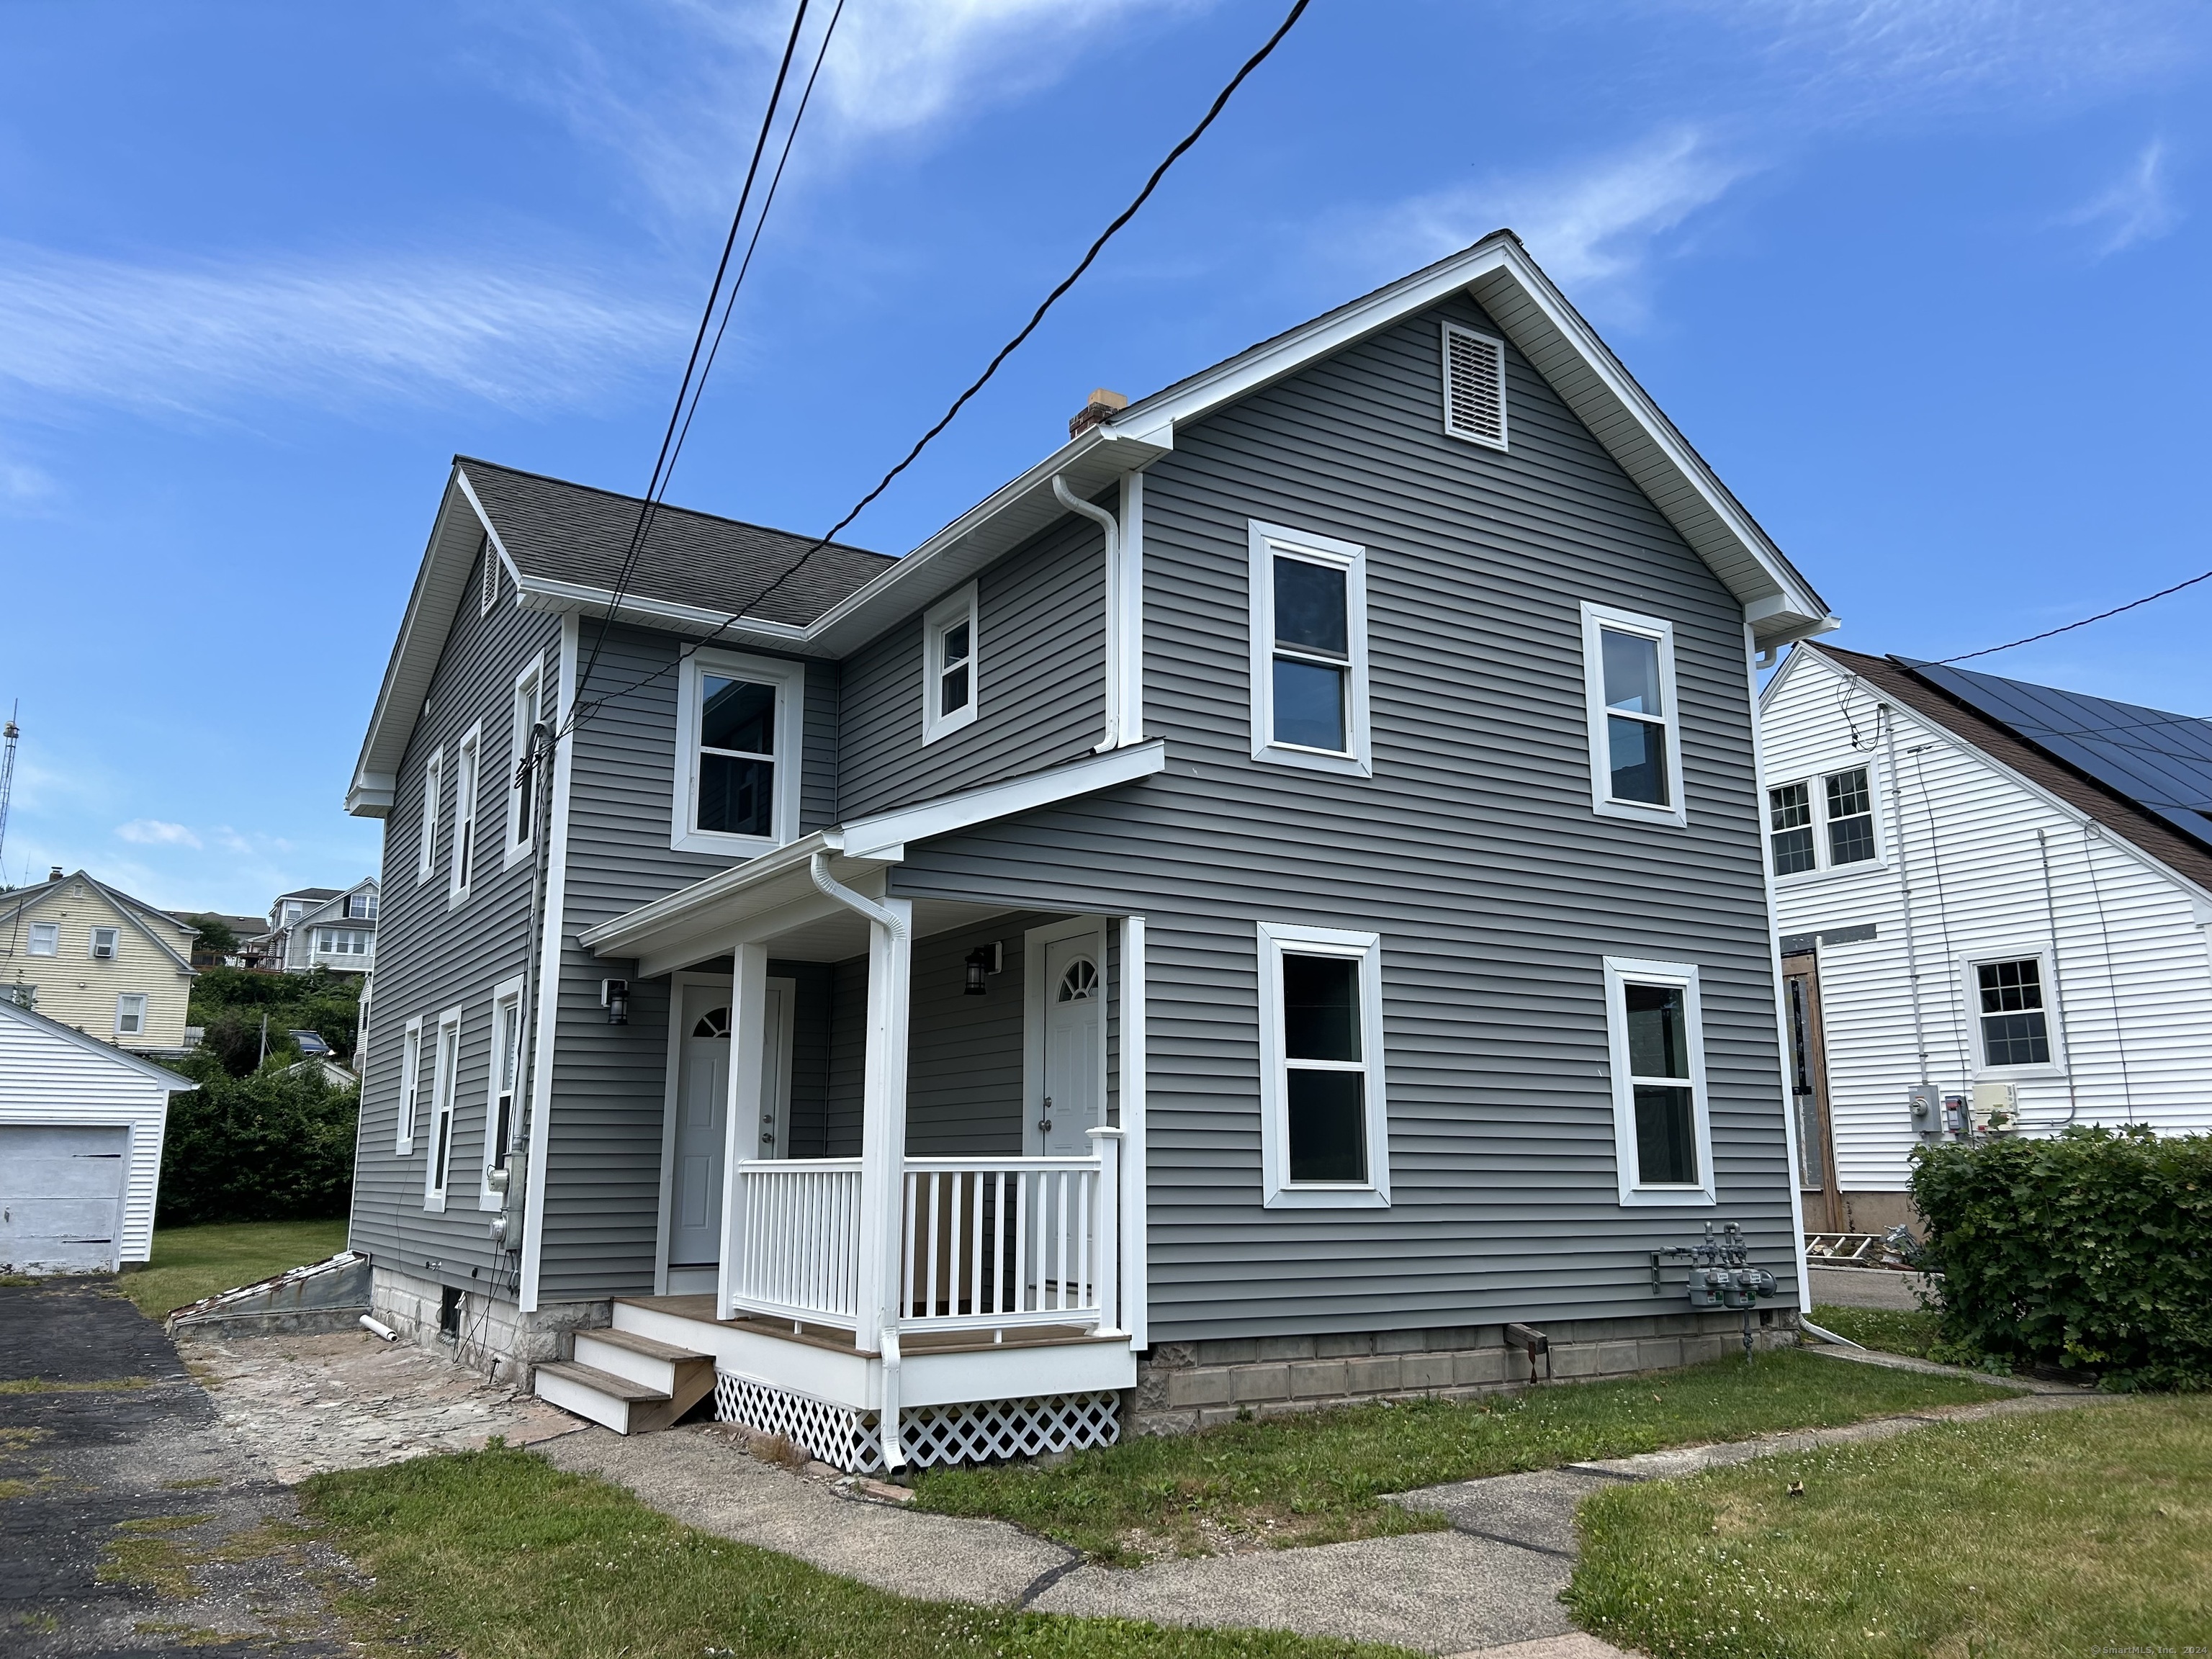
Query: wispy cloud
(153,832)
(2135,208)
(22,485)
(195,336)
(675,92)
(1593,228)
(1871,55)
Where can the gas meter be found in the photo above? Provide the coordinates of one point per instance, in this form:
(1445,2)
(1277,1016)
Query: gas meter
(1721,1274)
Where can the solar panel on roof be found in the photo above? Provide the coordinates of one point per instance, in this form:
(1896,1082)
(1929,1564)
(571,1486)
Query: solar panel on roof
(2160,761)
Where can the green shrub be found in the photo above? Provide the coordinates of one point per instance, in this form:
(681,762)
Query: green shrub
(273,1146)
(2092,1250)
(229,1002)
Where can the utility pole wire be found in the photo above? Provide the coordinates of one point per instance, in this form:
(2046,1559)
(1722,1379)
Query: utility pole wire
(2049,633)
(663,462)
(583,711)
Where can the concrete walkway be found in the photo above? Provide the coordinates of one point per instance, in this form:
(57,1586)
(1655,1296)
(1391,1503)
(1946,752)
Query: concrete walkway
(1490,1585)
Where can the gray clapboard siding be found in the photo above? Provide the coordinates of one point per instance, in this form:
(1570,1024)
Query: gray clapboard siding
(1042,682)
(431,957)
(1473,850)
(602,1169)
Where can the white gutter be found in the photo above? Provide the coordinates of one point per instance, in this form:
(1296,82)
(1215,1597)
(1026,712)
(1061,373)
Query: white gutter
(1106,522)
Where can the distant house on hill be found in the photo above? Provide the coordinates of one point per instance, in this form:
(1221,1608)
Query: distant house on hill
(332,927)
(97,960)
(1995,901)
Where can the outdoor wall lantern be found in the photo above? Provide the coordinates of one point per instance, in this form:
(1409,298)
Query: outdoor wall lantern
(614,997)
(984,959)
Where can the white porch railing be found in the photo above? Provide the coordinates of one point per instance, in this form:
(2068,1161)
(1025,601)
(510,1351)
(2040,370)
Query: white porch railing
(983,1244)
(798,1240)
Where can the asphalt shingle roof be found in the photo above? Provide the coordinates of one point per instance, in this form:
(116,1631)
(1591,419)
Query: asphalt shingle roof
(570,532)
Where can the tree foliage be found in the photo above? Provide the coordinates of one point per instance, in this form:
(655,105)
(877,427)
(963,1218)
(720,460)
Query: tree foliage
(228,1004)
(274,1145)
(2092,1250)
(216,935)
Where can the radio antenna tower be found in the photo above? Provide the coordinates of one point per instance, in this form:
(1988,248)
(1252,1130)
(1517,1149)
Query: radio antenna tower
(10,731)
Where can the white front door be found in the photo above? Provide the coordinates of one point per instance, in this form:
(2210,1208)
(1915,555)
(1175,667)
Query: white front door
(1074,1092)
(703,1107)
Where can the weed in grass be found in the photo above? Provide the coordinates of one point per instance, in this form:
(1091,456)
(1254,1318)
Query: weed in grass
(2082,1531)
(105,1385)
(1324,1478)
(143,1553)
(15,1439)
(496,1551)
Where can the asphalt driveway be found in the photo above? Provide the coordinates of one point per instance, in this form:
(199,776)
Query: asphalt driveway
(130,1522)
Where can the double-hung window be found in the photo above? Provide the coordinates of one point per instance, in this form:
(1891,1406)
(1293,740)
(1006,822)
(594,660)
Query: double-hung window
(426,849)
(506,1072)
(467,765)
(738,736)
(2013,1004)
(1309,608)
(411,1087)
(1635,736)
(104,942)
(360,907)
(45,938)
(1819,823)
(131,1015)
(950,688)
(522,772)
(1662,1137)
(445,1085)
(1324,1119)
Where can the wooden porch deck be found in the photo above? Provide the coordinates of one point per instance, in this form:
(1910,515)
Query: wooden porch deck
(700,1309)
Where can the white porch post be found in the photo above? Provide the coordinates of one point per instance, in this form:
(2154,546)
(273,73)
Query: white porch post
(1136,1313)
(741,1127)
(883,1127)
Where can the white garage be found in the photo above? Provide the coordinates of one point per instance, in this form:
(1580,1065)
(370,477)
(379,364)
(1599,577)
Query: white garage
(80,1127)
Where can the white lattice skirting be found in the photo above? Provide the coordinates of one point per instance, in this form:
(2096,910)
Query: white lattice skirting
(970,1433)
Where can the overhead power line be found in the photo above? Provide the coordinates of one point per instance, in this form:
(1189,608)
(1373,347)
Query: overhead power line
(664,462)
(2049,633)
(583,710)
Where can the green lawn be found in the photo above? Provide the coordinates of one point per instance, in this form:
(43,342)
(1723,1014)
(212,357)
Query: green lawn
(1321,1479)
(2087,1531)
(497,1555)
(1893,1330)
(191,1262)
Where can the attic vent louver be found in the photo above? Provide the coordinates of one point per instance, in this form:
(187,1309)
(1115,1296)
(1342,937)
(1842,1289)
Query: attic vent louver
(1474,386)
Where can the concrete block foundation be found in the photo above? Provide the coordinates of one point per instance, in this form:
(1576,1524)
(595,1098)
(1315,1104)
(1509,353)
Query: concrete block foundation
(1182,1386)
(492,1336)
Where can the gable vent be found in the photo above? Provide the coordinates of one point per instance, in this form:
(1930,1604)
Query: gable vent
(1474,386)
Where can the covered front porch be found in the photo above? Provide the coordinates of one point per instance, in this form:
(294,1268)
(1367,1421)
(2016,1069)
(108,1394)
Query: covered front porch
(896,1161)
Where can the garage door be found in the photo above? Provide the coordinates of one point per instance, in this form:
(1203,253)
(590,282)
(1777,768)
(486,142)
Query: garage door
(61,1197)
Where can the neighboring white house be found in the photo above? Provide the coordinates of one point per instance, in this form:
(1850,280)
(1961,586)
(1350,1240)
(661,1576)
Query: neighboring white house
(1995,901)
(81,1129)
(320,927)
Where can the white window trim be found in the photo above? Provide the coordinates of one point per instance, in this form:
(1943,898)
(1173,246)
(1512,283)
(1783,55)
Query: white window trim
(529,701)
(2054,1015)
(1620,972)
(1816,790)
(445,1085)
(1445,364)
(433,784)
(1263,542)
(789,679)
(411,1087)
(125,1001)
(953,609)
(54,946)
(1280,1192)
(114,944)
(506,994)
(468,802)
(1595,619)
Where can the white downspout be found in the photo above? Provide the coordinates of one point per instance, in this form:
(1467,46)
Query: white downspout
(883,1138)
(1106,522)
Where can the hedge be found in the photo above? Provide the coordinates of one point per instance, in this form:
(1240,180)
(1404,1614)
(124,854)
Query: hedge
(2091,1249)
(273,1146)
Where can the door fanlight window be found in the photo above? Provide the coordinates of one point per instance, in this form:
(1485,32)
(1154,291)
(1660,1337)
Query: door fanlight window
(714,1023)
(1080,982)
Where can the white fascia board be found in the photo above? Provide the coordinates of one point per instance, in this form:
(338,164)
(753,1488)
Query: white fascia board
(620,935)
(551,593)
(431,607)
(880,836)
(490,529)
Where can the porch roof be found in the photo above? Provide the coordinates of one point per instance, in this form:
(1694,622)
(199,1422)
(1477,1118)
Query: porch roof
(776,893)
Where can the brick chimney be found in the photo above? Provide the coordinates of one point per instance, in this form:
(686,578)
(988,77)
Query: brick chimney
(1101,404)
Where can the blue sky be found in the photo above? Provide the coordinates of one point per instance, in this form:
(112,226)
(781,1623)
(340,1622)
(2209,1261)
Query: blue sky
(1924,279)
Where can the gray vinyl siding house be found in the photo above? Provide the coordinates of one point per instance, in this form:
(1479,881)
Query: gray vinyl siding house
(1142,986)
